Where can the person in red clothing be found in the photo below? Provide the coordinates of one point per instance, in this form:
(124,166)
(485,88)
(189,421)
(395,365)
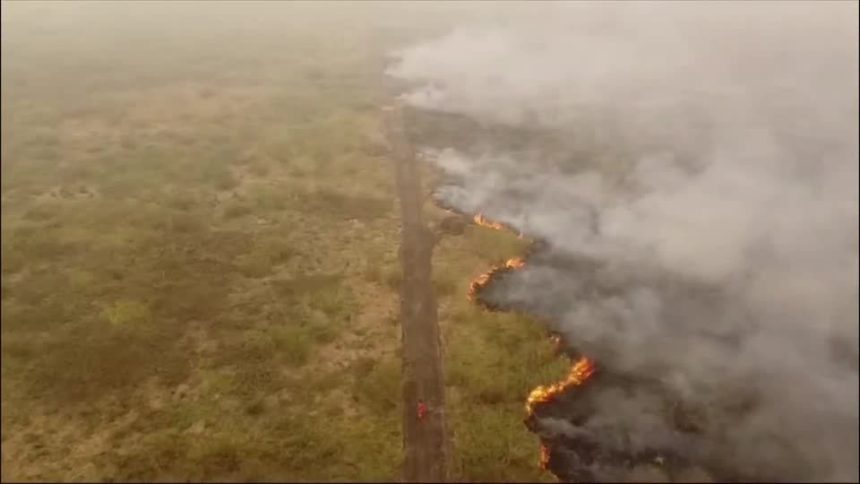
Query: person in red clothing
(422,410)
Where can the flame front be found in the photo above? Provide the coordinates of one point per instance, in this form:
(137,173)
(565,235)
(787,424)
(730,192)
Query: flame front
(485,222)
(579,373)
(482,280)
(544,457)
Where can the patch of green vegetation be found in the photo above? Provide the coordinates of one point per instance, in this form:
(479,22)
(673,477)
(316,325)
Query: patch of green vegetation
(489,450)
(125,312)
(492,361)
(198,232)
(377,385)
(177,251)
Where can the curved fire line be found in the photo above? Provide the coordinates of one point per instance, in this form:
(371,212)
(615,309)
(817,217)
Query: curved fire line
(582,368)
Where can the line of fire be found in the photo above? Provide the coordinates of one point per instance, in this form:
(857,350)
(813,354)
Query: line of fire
(581,369)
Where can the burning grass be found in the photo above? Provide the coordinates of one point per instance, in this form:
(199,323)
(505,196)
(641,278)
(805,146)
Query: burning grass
(484,279)
(543,461)
(204,312)
(580,371)
(485,222)
(489,366)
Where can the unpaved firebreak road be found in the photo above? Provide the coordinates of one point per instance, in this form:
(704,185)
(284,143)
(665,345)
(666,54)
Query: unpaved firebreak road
(425,439)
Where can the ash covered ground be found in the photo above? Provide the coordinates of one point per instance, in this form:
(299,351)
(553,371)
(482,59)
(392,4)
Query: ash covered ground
(691,174)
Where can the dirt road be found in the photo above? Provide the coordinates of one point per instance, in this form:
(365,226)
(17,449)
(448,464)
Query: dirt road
(424,440)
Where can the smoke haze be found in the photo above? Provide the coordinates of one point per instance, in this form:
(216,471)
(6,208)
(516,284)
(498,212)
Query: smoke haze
(694,173)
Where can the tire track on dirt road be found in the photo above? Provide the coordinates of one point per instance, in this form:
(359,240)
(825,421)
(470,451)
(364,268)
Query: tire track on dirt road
(425,439)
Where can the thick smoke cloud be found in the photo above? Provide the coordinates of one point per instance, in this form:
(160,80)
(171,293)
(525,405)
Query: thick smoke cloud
(704,159)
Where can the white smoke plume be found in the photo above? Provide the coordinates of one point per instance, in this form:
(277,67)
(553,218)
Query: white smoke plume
(705,155)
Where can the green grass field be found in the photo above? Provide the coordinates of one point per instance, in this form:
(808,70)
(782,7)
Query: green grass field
(199,258)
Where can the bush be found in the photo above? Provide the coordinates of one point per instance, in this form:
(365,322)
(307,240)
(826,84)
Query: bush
(378,387)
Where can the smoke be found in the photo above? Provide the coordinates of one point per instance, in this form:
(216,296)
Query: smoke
(693,169)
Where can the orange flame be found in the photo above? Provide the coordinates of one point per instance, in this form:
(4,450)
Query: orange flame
(485,222)
(515,263)
(478,283)
(544,457)
(579,373)
(482,280)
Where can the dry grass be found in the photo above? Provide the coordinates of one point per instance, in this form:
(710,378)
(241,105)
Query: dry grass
(199,275)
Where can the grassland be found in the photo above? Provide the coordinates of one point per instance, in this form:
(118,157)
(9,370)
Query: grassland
(199,261)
